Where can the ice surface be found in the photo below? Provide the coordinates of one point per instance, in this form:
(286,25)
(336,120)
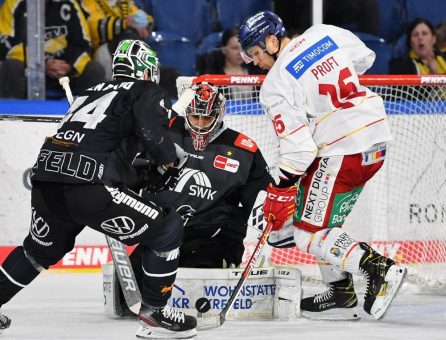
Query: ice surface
(70,306)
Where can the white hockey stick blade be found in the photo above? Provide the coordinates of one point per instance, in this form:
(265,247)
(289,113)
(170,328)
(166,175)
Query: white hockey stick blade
(394,278)
(183,101)
(210,322)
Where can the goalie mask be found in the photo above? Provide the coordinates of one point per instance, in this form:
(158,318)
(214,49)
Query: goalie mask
(132,58)
(205,113)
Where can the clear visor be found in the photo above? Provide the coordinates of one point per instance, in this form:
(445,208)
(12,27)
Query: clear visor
(247,58)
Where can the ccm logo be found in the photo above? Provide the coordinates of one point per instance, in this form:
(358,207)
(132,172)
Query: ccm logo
(279,198)
(226,164)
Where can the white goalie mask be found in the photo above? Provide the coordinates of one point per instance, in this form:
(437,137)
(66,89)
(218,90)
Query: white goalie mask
(205,113)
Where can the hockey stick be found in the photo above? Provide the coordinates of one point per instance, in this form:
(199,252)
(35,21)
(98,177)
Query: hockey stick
(65,83)
(218,320)
(125,274)
(30,118)
(121,260)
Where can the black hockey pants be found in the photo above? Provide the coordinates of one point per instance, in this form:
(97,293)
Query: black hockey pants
(61,211)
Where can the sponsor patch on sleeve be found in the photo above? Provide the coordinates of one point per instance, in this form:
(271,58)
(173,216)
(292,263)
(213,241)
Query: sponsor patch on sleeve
(246,143)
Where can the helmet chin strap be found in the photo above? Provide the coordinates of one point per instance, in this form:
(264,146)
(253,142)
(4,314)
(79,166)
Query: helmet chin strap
(275,54)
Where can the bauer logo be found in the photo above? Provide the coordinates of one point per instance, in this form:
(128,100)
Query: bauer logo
(226,164)
(310,56)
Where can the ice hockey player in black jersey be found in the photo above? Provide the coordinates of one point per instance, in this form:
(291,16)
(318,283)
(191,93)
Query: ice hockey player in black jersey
(217,187)
(81,178)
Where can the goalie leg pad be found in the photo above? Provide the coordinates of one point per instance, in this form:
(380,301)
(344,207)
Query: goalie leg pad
(288,294)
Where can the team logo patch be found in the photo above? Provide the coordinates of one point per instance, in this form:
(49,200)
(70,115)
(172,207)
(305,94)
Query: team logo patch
(226,164)
(246,143)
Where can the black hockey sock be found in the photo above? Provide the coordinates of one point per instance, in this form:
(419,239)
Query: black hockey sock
(160,270)
(16,273)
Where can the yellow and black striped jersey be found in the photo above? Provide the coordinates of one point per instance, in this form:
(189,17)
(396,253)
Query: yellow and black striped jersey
(106,18)
(67,35)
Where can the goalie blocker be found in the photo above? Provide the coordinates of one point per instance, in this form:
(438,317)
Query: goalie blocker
(269,293)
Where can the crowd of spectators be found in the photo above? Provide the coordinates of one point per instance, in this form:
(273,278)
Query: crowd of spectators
(80,37)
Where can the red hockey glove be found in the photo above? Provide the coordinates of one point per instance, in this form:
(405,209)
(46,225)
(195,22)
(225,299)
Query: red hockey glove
(280,204)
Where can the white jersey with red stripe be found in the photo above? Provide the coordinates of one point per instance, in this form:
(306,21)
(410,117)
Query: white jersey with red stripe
(314,98)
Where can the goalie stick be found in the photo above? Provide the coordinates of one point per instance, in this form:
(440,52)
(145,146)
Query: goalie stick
(218,320)
(121,260)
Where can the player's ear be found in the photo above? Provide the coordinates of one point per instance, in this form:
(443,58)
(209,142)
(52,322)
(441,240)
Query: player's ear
(147,74)
(274,41)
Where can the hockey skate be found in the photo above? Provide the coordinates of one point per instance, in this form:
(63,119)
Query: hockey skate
(165,323)
(384,279)
(337,303)
(5,322)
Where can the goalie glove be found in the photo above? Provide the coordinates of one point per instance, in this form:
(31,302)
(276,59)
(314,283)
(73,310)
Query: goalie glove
(280,204)
(155,182)
(165,178)
(182,157)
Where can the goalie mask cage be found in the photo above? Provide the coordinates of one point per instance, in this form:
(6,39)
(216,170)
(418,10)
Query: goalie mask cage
(402,210)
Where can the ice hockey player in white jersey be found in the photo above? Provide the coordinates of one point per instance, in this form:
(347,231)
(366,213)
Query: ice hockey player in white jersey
(332,133)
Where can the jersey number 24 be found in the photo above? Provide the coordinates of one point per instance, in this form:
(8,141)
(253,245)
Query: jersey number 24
(91,114)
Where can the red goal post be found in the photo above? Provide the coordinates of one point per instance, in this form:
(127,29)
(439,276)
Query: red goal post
(402,210)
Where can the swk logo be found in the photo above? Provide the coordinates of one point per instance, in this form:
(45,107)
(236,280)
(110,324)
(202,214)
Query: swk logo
(200,187)
(119,225)
(39,228)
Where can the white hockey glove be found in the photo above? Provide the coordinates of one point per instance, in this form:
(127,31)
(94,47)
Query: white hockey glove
(283,238)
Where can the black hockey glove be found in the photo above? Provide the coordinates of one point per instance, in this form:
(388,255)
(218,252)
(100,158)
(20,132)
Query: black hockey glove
(155,182)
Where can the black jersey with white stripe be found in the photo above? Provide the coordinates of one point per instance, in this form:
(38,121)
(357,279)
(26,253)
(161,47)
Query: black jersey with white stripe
(106,127)
(218,186)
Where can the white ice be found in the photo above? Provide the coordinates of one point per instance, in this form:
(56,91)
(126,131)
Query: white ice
(70,306)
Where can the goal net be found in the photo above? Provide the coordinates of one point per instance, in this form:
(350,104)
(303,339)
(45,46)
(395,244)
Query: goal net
(402,210)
